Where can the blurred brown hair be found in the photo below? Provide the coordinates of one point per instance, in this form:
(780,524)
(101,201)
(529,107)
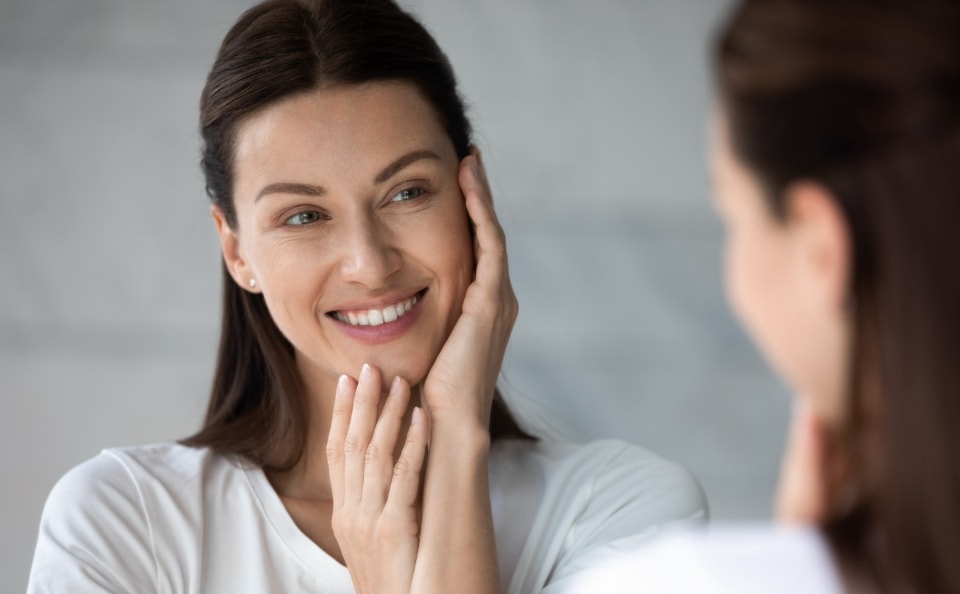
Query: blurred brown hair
(278,49)
(863,96)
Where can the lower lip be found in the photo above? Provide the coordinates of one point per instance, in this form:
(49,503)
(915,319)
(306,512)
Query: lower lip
(384,332)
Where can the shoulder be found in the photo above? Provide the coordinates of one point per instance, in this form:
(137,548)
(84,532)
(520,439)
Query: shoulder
(644,474)
(745,560)
(122,472)
(127,519)
(121,480)
(95,532)
(609,474)
(598,454)
(589,501)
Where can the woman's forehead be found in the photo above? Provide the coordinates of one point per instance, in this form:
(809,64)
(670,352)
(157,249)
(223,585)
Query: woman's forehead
(344,128)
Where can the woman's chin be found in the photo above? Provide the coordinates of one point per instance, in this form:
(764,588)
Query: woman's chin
(414,373)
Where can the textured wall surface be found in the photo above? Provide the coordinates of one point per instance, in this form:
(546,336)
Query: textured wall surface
(592,116)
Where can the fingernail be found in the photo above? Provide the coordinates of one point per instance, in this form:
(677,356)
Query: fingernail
(479,158)
(342,384)
(365,373)
(417,416)
(395,386)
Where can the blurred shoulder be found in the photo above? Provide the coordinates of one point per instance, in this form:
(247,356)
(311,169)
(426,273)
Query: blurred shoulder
(605,452)
(726,560)
(612,473)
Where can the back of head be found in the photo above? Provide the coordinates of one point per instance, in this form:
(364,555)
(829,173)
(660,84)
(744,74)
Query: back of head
(863,96)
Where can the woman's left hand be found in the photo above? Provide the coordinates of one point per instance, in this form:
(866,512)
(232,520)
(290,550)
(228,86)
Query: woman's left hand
(457,550)
(461,383)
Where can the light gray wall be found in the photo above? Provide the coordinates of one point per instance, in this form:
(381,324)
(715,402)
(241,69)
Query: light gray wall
(592,116)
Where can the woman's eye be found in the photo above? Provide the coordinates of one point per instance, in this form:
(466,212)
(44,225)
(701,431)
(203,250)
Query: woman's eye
(303,218)
(407,194)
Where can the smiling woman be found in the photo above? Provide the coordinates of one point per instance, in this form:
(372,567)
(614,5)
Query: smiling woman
(366,309)
(382,225)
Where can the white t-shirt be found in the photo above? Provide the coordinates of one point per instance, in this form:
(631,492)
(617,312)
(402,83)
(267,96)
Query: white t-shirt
(727,560)
(171,519)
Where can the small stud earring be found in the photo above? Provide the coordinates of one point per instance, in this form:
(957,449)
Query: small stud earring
(253,283)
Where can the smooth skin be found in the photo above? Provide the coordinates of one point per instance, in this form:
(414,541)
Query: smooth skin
(351,198)
(378,518)
(788,282)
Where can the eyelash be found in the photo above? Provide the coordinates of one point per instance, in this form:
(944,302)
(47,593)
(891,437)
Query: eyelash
(300,215)
(420,192)
(318,216)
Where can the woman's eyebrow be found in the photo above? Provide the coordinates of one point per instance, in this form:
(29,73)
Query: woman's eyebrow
(391,169)
(290,188)
(312,190)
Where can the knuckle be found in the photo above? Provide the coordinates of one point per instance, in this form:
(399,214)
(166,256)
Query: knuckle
(499,249)
(386,531)
(396,524)
(373,454)
(347,522)
(401,468)
(351,445)
(405,467)
(340,526)
(362,400)
(334,453)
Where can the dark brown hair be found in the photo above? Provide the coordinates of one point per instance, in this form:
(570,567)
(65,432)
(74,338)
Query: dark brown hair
(863,97)
(278,49)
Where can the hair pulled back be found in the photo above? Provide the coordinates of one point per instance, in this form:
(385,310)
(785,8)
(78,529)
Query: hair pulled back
(276,50)
(863,97)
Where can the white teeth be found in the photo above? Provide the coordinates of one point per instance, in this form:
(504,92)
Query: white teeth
(376,317)
(390,313)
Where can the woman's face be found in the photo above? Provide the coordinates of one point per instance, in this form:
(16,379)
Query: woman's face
(786,279)
(351,221)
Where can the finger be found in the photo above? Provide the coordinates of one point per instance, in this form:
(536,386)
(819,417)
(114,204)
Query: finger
(490,238)
(366,400)
(342,410)
(473,182)
(477,182)
(405,487)
(379,457)
(801,496)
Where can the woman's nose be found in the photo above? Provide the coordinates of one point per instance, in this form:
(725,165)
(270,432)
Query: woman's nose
(370,255)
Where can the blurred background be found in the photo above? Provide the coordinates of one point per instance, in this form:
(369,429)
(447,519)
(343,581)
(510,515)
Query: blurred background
(593,121)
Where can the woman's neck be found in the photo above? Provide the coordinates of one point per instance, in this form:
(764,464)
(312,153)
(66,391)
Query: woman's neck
(309,479)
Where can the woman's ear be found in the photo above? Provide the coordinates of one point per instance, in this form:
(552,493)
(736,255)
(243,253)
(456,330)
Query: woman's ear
(236,264)
(821,242)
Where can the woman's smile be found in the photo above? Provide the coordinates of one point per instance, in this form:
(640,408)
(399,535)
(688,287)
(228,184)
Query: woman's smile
(372,322)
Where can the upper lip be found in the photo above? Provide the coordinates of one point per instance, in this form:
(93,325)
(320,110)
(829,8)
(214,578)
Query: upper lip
(378,302)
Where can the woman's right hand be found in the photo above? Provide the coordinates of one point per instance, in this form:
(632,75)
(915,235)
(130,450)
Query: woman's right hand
(376,494)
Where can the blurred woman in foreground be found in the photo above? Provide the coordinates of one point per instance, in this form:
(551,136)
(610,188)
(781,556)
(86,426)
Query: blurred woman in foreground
(836,159)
